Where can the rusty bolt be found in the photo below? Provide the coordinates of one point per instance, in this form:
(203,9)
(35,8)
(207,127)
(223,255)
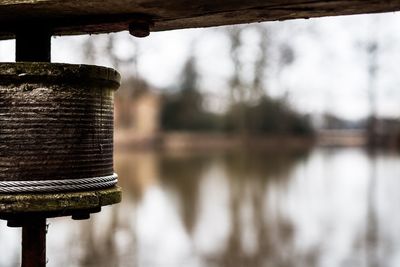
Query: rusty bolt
(139,28)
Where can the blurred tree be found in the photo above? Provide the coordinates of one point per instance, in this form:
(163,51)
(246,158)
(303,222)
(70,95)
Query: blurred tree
(286,58)
(117,61)
(269,116)
(370,49)
(241,91)
(237,88)
(251,111)
(372,55)
(236,83)
(260,65)
(183,109)
(89,50)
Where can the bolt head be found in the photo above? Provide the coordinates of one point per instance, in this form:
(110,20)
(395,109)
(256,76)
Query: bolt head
(78,216)
(139,29)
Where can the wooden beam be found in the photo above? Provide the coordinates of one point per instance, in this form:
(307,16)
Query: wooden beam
(68,17)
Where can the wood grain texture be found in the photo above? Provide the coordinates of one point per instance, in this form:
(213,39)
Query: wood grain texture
(67,17)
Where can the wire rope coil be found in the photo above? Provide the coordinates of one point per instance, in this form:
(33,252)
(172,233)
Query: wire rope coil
(39,186)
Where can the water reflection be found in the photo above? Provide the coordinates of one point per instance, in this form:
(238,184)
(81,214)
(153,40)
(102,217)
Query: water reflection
(327,207)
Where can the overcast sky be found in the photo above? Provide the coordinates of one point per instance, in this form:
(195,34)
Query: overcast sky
(329,73)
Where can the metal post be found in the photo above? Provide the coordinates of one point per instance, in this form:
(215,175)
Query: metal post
(33,44)
(34,242)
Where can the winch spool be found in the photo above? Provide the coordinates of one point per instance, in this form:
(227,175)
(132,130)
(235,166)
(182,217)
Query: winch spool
(56,140)
(56,131)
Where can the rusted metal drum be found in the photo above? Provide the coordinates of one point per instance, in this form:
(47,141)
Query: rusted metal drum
(56,127)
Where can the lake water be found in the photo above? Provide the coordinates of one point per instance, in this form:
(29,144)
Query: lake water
(323,207)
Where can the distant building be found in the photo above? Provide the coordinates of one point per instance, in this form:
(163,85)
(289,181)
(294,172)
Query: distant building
(136,113)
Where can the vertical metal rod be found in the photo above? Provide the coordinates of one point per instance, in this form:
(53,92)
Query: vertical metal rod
(34,243)
(33,44)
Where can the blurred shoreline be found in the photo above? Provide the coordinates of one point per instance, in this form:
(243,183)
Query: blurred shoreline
(205,141)
(128,139)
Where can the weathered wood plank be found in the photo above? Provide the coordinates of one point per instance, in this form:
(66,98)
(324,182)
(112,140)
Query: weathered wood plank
(97,16)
